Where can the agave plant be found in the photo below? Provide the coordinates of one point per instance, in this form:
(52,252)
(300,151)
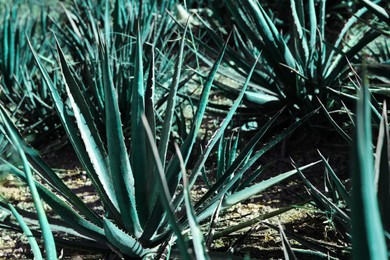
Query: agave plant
(298,67)
(138,181)
(24,95)
(360,214)
(78,33)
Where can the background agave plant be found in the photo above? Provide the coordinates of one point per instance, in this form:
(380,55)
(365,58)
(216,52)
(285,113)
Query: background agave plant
(119,24)
(298,67)
(360,213)
(22,93)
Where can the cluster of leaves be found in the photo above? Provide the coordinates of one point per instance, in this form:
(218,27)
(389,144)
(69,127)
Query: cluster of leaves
(303,69)
(300,67)
(22,92)
(138,182)
(116,78)
(361,215)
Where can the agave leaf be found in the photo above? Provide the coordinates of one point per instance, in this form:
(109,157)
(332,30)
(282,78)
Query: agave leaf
(93,167)
(252,222)
(221,157)
(313,28)
(31,238)
(12,43)
(166,130)
(107,26)
(50,246)
(259,187)
(353,97)
(340,186)
(189,142)
(165,196)
(243,19)
(259,97)
(287,250)
(84,107)
(341,35)
(334,123)
(124,242)
(301,42)
(232,154)
(151,115)
(94,26)
(119,16)
(253,176)
(48,175)
(367,231)
(233,149)
(316,249)
(272,35)
(344,59)
(97,158)
(378,10)
(139,163)
(86,162)
(148,18)
(330,189)
(259,76)
(72,21)
(67,213)
(119,165)
(213,223)
(382,172)
(56,225)
(321,198)
(197,236)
